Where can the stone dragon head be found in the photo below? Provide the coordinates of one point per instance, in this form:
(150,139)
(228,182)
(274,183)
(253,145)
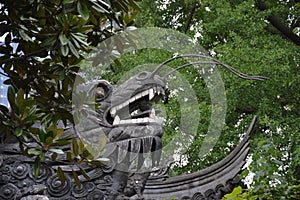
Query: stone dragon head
(126,115)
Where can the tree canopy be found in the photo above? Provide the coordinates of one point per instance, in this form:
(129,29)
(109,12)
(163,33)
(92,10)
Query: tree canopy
(257,37)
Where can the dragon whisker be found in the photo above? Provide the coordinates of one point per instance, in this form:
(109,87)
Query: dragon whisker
(213,61)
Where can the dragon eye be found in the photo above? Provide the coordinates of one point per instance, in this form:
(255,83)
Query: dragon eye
(142,75)
(100,92)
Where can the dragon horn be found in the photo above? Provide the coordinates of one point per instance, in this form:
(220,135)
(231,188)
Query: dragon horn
(212,61)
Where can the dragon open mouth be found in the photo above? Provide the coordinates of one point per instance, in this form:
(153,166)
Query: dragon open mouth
(137,130)
(138,109)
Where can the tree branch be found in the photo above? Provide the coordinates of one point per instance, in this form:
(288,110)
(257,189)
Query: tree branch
(190,17)
(23,57)
(3,74)
(279,25)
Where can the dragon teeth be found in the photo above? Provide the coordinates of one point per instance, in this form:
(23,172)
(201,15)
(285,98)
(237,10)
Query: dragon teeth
(151,94)
(152,114)
(113,112)
(136,121)
(145,93)
(116,120)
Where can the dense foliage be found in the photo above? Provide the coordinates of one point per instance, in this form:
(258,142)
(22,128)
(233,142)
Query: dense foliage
(256,37)
(43,43)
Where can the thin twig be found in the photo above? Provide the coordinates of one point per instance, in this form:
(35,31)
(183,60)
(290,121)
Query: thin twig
(190,17)
(3,73)
(23,57)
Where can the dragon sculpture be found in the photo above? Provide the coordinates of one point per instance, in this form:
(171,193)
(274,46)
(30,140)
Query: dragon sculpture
(127,118)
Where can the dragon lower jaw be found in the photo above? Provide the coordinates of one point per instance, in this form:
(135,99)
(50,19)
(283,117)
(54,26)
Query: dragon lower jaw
(135,151)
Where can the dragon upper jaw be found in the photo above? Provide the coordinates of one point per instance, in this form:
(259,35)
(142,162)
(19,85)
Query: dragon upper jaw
(145,120)
(135,115)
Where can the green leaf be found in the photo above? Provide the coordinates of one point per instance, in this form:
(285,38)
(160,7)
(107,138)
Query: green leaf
(69,156)
(20,98)
(99,8)
(64,50)
(32,110)
(42,157)
(81,146)
(102,142)
(76,179)
(133,4)
(83,10)
(11,96)
(35,152)
(87,154)
(25,36)
(57,133)
(49,41)
(61,143)
(58,151)
(63,39)
(74,148)
(36,167)
(236,191)
(42,135)
(67,1)
(73,49)
(18,132)
(61,175)
(83,172)
(54,156)
(103,160)
(99,161)
(80,38)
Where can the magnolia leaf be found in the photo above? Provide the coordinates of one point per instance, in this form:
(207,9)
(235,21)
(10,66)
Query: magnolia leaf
(74,148)
(18,132)
(63,39)
(61,175)
(64,50)
(57,133)
(49,141)
(58,151)
(49,41)
(54,156)
(76,179)
(24,36)
(73,49)
(61,143)
(69,156)
(35,152)
(32,110)
(11,96)
(81,146)
(20,98)
(83,172)
(36,167)
(102,142)
(83,10)
(103,160)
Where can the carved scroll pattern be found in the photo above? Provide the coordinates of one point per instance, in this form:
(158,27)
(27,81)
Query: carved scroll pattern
(18,182)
